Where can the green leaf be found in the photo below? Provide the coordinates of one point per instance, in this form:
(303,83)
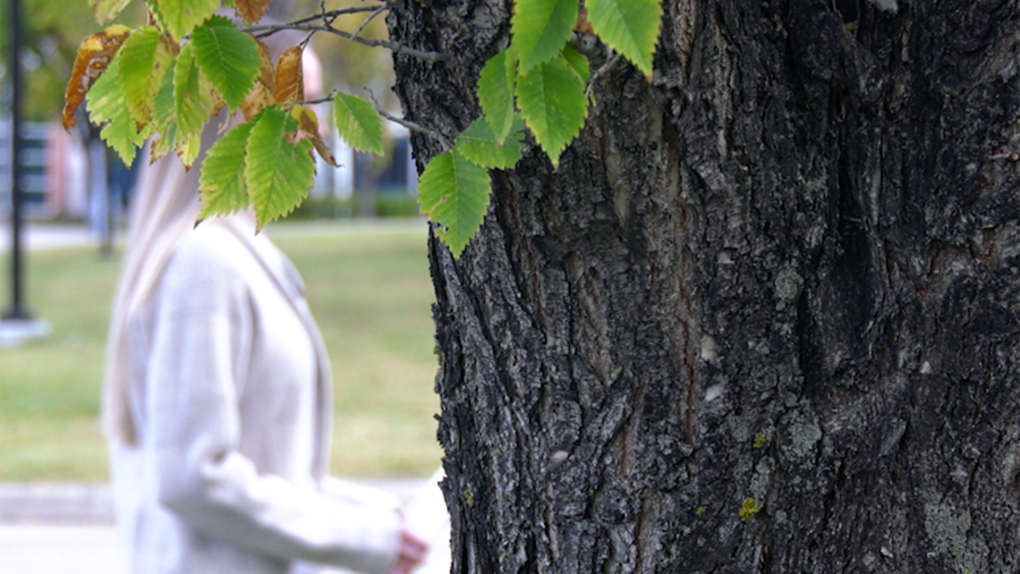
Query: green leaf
(577,61)
(106,105)
(228,57)
(163,115)
(107,10)
(187,148)
(193,97)
(163,101)
(222,184)
(181,16)
(551,98)
(631,27)
(279,173)
(540,28)
(454,193)
(163,143)
(479,144)
(155,14)
(358,123)
(144,60)
(496,92)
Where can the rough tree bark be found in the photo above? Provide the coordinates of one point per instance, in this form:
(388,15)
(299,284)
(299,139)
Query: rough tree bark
(785,273)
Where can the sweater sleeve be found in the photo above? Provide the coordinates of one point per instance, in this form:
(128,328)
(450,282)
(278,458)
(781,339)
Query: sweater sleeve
(200,343)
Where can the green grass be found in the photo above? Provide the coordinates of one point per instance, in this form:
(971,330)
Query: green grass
(370,293)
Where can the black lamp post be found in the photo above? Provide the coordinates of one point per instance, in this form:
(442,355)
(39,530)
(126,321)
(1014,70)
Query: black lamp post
(17,324)
(17,308)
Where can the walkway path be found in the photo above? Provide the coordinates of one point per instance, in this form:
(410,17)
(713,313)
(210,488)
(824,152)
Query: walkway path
(68,528)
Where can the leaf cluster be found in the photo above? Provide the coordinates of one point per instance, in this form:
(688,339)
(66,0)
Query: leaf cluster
(169,78)
(538,84)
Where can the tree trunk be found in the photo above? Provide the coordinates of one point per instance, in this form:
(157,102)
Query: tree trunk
(764,317)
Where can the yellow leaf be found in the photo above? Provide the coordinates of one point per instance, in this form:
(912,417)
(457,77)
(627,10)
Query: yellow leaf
(94,55)
(308,123)
(290,85)
(251,10)
(263,93)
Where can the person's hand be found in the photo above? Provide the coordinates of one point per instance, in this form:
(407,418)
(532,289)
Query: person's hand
(412,552)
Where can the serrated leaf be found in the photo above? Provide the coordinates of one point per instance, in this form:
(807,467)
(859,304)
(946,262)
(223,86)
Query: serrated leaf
(290,83)
(163,116)
(251,10)
(479,144)
(454,193)
(263,93)
(279,173)
(358,123)
(107,10)
(631,27)
(496,92)
(145,58)
(551,98)
(540,28)
(163,101)
(154,17)
(577,61)
(94,54)
(106,107)
(181,16)
(194,101)
(162,143)
(222,184)
(187,149)
(228,57)
(308,123)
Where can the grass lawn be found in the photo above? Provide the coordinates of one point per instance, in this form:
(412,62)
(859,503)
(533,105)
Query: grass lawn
(371,295)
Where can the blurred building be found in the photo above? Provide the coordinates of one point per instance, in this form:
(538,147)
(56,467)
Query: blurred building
(56,175)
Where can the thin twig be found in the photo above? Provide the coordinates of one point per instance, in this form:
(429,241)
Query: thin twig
(327,98)
(308,38)
(323,15)
(611,59)
(382,113)
(412,126)
(371,16)
(393,47)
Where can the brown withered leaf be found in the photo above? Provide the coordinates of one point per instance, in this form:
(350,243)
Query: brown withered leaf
(583,25)
(263,93)
(290,84)
(308,123)
(94,55)
(251,10)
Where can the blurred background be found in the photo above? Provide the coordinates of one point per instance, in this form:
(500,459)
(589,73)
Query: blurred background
(357,240)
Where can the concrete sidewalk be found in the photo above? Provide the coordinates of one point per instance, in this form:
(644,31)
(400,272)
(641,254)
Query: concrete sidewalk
(46,235)
(68,528)
(38,235)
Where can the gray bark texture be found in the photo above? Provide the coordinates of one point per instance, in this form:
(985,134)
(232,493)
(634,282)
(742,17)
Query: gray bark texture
(765,315)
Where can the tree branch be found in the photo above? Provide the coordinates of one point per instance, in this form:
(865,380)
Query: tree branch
(611,59)
(382,113)
(327,18)
(264,31)
(393,47)
(367,20)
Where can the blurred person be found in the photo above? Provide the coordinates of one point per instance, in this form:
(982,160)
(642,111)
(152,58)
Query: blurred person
(218,403)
